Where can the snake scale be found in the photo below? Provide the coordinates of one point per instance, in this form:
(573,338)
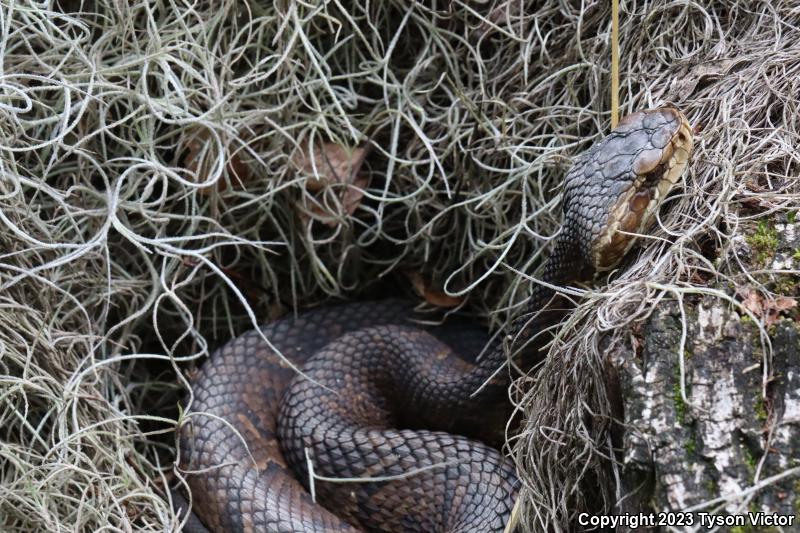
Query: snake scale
(382,399)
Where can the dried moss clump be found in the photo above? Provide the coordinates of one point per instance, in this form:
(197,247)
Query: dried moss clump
(152,203)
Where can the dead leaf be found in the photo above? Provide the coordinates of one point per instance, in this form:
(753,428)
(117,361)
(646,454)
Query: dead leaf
(768,309)
(333,170)
(433,297)
(328,163)
(776,306)
(752,301)
(236,171)
(354,193)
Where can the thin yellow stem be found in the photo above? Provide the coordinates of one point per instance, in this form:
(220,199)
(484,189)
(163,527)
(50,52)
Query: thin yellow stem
(514,519)
(614,63)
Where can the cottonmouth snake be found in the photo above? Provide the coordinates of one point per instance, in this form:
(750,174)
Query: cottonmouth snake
(367,369)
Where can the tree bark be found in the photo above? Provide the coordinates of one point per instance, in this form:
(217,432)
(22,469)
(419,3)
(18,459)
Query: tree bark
(734,425)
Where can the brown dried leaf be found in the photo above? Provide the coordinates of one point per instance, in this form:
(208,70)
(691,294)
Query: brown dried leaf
(752,301)
(430,295)
(354,193)
(768,309)
(775,306)
(334,164)
(329,163)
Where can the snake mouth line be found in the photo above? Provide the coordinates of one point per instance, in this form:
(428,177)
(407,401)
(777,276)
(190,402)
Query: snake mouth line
(680,149)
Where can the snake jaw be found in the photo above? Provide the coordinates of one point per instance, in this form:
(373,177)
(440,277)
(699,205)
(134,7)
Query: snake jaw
(657,166)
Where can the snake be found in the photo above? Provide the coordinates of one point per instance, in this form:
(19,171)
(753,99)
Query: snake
(355,418)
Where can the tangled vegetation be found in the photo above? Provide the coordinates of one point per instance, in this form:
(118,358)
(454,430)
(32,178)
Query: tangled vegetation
(173,173)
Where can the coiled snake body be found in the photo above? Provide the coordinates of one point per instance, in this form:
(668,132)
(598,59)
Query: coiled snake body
(379,397)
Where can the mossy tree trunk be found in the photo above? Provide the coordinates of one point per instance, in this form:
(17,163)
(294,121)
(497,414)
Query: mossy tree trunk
(712,409)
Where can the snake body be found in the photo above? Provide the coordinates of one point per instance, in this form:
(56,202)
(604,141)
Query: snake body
(369,425)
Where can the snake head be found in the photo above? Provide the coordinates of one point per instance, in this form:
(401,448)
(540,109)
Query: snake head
(613,191)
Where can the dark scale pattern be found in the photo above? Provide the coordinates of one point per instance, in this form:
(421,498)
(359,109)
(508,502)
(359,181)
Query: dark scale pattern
(607,170)
(242,384)
(339,418)
(385,398)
